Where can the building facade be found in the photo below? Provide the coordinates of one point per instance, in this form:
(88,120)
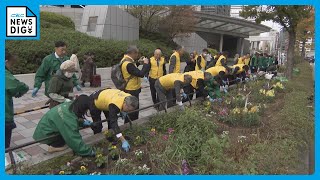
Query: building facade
(220,10)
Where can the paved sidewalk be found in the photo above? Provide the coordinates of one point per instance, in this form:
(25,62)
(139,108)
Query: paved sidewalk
(27,122)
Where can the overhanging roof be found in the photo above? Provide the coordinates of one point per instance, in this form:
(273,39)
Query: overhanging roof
(218,24)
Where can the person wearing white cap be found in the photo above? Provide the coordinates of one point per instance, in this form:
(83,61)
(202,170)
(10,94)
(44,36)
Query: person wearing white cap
(61,85)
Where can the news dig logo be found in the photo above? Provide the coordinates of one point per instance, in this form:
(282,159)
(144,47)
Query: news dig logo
(21,22)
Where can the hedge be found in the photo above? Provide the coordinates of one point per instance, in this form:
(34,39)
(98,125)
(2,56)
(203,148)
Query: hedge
(48,17)
(107,52)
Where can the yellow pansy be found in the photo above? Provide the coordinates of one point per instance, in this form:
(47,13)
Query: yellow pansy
(114,147)
(245,110)
(262,91)
(270,93)
(83,168)
(61,172)
(153,130)
(236,111)
(254,109)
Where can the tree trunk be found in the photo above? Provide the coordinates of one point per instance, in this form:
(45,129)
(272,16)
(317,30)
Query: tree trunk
(290,54)
(303,51)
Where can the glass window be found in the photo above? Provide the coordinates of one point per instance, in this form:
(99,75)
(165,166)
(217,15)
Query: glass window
(92,23)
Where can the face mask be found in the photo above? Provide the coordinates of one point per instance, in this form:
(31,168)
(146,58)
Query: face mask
(68,74)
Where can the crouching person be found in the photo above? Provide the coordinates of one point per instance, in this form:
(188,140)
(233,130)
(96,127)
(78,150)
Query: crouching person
(61,84)
(65,120)
(166,84)
(197,84)
(240,71)
(112,102)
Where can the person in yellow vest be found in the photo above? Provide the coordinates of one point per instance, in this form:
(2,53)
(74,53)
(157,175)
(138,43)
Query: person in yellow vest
(133,75)
(111,102)
(157,70)
(166,84)
(241,60)
(197,84)
(222,60)
(214,60)
(247,59)
(201,60)
(174,62)
(239,71)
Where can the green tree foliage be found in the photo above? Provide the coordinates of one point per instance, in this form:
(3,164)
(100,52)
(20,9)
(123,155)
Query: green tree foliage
(288,16)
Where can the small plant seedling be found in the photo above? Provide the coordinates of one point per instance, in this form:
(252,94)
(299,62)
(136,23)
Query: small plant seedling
(114,153)
(139,154)
(100,160)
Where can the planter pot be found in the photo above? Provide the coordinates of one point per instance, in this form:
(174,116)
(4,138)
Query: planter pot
(115,158)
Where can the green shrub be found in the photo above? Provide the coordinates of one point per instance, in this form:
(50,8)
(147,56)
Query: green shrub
(57,19)
(107,52)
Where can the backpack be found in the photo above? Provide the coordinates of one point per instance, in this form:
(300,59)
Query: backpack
(117,77)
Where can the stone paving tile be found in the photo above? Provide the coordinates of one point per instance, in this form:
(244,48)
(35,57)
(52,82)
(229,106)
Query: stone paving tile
(36,121)
(27,132)
(44,147)
(17,137)
(22,141)
(29,124)
(34,150)
(20,119)
(18,128)
(34,115)
(32,145)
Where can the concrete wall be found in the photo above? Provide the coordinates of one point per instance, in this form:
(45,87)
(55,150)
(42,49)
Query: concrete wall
(74,13)
(112,23)
(191,42)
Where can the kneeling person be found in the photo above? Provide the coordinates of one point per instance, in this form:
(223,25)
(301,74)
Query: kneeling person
(165,84)
(240,71)
(65,120)
(112,102)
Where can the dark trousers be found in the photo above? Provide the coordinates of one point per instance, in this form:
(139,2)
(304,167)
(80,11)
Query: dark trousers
(253,69)
(58,142)
(163,96)
(133,116)
(96,116)
(155,98)
(188,90)
(8,133)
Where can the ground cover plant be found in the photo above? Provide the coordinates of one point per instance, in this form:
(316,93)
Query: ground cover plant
(249,132)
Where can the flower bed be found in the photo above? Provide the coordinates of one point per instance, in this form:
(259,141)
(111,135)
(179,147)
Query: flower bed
(193,142)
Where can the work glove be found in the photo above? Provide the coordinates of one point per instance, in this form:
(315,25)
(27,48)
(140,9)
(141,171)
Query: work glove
(86,123)
(211,100)
(78,88)
(146,79)
(225,89)
(34,92)
(184,95)
(123,114)
(125,146)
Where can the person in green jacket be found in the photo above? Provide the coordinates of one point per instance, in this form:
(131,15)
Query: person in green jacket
(49,66)
(254,63)
(262,62)
(13,88)
(65,120)
(61,85)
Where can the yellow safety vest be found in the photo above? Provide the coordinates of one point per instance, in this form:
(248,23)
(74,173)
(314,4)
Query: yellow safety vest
(177,67)
(135,82)
(110,96)
(214,71)
(202,63)
(219,60)
(195,76)
(167,81)
(240,61)
(247,61)
(240,66)
(156,71)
